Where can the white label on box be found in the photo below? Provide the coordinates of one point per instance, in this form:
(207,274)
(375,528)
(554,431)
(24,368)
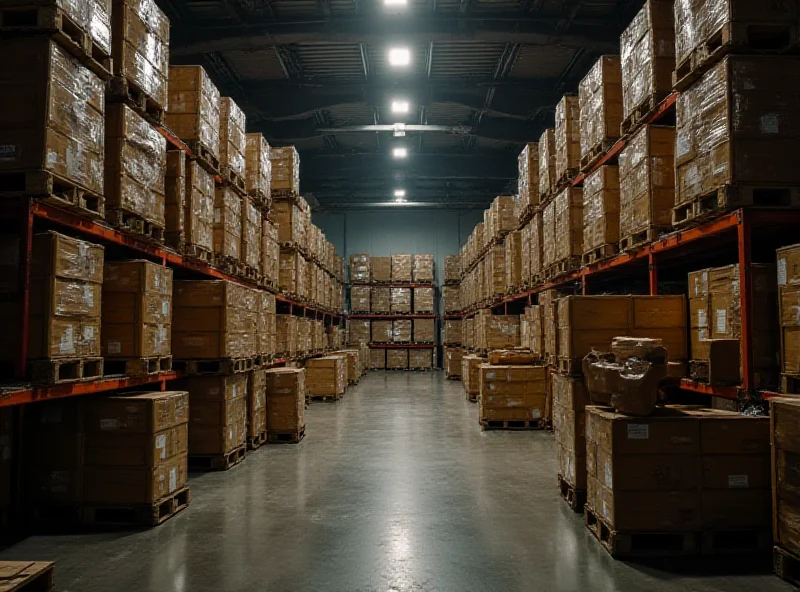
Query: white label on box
(161,444)
(8,152)
(88,295)
(738,482)
(770,123)
(536,413)
(638,431)
(490,375)
(702,318)
(165,308)
(782,272)
(606,513)
(491,386)
(114,347)
(173,480)
(235,391)
(88,333)
(609,476)
(721,321)
(67,344)
(109,424)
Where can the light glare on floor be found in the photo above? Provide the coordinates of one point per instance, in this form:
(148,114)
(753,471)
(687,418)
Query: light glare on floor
(400,152)
(399,56)
(400,107)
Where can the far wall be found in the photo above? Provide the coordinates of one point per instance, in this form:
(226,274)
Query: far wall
(384,232)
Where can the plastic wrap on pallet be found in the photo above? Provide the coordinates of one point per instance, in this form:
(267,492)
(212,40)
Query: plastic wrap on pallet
(420,359)
(400,300)
(136,161)
(175,188)
(227,222)
(528,175)
(401,267)
(423,268)
(549,238)
(600,98)
(285,168)
(452,268)
(381,299)
(62,132)
(525,255)
(496,270)
(396,359)
(199,212)
(251,234)
(503,215)
(547,164)
(537,256)
(569,223)
(360,298)
(401,330)
(425,330)
(267,330)
(601,208)
(193,110)
(567,136)
(258,166)
(270,251)
(301,273)
(647,180)
(423,300)
(513,261)
(289,219)
(648,55)
(140,41)
(232,140)
(286,326)
(451,296)
(382,331)
(452,332)
(358,331)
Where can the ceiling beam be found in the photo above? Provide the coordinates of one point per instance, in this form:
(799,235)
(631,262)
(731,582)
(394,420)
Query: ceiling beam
(599,34)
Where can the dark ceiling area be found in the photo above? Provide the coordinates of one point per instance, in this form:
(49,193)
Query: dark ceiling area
(484,77)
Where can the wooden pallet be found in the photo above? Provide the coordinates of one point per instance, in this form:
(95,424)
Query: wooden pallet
(217,366)
(594,154)
(740,541)
(233,179)
(514,424)
(786,565)
(204,156)
(602,252)
(575,498)
(52,189)
(452,376)
(66,370)
(291,437)
(122,90)
(732,197)
(137,366)
(641,114)
(790,384)
(734,37)
(285,194)
(197,253)
(255,441)
(217,462)
(640,544)
(27,576)
(229,265)
(135,514)
(641,238)
(565,180)
(33,20)
(260,199)
(561,268)
(326,397)
(526,214)
(135,224)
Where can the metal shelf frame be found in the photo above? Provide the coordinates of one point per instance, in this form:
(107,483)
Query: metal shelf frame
(402,345)
(391,317)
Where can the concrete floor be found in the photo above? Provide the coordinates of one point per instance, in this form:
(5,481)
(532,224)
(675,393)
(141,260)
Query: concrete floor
(394,489)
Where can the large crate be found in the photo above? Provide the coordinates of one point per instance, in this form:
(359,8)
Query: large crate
(601,213)
(285,170)
(232,141)
(258,168)
(227,224)
(600,94)
(193,111)
(568,138)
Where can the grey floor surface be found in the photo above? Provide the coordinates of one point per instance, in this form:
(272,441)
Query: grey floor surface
(394,489)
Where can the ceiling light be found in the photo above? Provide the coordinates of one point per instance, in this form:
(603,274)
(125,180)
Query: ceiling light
(395,2)
(399,192)
(399,56)
(400,106)
(400,152)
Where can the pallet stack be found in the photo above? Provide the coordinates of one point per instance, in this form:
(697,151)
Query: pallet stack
(285,405)
(512,396)
(788,299)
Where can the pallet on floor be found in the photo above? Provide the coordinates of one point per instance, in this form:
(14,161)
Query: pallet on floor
(255,441)
(135,514)
(134,223)
(575,498)
(216,366)
(66,370)
(452,376)
(641,238)
(137,366)
(727,198)
(291,437)
(786,565)
(641,114)
(512,424)
(600,253)
(27,576)
(122,90)
(217,462)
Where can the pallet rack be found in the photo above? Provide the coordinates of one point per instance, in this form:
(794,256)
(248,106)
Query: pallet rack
(23,215)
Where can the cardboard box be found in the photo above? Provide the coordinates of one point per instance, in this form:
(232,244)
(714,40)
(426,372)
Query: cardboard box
(424,268)
(291,222)
(396,359)
(600,101)
(286,399)
(232,140)
(193,110)
(287,337)
(256,403)
(377,359)
(285,169)
(512,392)
(401,330)
(227,227)
(400,300)
(470,374)
(569,425)
(453,357)
(420,359)
(528,177)
(360,299)
(401,267)
(568,137)
(359,331)
(451,298)
(495,271)
(381,269)
(326,376)
(424,300)
(218,416)
(513,260)
(497,331)
(424,330)
(250,249)
(360,268)
(601,208)
(452,332)
(258,167)
(547,165)
(452,269)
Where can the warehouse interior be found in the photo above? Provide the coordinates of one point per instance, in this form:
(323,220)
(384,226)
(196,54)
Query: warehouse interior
(406,295)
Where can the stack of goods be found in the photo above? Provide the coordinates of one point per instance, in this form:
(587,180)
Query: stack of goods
(562,232)
(468,333)
(193,112)
(189,206)
(534,315)
(470,374)
(360,299)
(501,217)
(353,365)
(451,297)
(381,269)
(452,269)
(213,320)
(291,276)
(252,238)
(258,170)
(512,396)
(270,253)
(400,300)
(569,405)
(453,357)
(397,359)
(567,135)
(513,259)
(495,272)
(256,408)
(424,331)
(528,180)
(135,169)
(137,317)
(423,300)
(232,143)
(601,205)
(401,331)
(358,331)
(266,345)
(66,281)
(788,300)
(547,165)
(326,377)
(423,269)
(227,228)
(600,96)
(647,50)
(285,171)
(360,269)
(705,471)
(536,265)
(401,268)
(716,319)
(286,341)
(548,301)
(286,404)
(377,359)
(646,185)
(303,335)
(420,359)
(382,331)
(292,221)
(452,332)
(496,331)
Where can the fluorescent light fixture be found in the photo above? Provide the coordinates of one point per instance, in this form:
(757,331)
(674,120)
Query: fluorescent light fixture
(399,192)
(400,107)
(399,130)
(399,56)
(400,152)
(395,2)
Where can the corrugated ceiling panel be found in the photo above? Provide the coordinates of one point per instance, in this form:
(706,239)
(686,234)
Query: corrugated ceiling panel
(342,60)
(449,114)
(295,8)
(261,64)
(535,61)
(351,114)
(465,59)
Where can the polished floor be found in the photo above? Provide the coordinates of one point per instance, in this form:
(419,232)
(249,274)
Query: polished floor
(394,489)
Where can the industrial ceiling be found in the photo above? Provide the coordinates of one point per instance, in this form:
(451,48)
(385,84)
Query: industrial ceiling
(483,77)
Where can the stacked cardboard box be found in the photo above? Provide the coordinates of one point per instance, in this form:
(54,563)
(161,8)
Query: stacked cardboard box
(227,226)
(198,211)
(600,96)
(497,331)
(377,359)
(424,330)
(646,183)
(382,331)
(512,393)
(525,255)
(495,271)
(513,259)
(360,269)
(396,359)
(303,335)
(289,268)
(400,300)
(788,301)
(286,342)
(193,110)
(218,414)
(715,309)
(291,221)
(401,330)
(547,165)
(420,359)
(360,299)
(252,237)
(548,300)
(326,376)
(601,205)
(537,244)
(647,48)
(468,333)
(528,177)
(568,229)
(501,217)
(452,269)
(286,403)
(785,439)
(381,269)
(453,357)
(569,425)
(285,170)
(567,135)
(270,252)
(175,189)
(258,168)
(424,300)
(470,374)
(353,365)
(451,297)
(137,313)
(452,332)
(423,272)
(135,167)
(401,267)
(359,332)
(213,319)
(232,140)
